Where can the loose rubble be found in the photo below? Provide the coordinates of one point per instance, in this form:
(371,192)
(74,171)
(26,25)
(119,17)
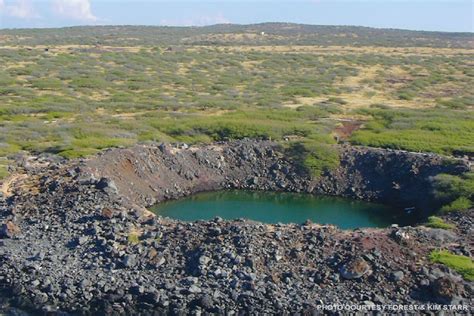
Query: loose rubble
(76,237)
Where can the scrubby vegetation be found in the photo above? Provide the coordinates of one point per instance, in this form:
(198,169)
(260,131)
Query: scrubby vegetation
(460,204)
(461,264)
(455,192)
(313,157)
(75,91)
(228,34)
(438,222)
(3,170)
(133,238)
(429,130)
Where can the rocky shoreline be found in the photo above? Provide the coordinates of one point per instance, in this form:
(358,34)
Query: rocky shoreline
(77,238)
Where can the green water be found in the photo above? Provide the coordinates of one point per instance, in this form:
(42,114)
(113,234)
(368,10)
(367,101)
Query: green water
(277,207)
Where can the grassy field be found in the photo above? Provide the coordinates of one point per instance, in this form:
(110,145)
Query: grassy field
(76,91)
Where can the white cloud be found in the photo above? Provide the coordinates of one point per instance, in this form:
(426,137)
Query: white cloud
(74,9)
(22,9)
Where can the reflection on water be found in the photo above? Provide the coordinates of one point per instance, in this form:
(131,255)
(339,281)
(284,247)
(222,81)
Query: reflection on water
(278,207)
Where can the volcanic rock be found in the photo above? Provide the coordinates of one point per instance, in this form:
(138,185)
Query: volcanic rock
(355,268)
(9,230)
(446,289)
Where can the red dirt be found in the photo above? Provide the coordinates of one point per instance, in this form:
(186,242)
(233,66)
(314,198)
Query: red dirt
(345,131)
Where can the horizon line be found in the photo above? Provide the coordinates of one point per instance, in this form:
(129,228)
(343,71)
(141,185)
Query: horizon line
(236,24)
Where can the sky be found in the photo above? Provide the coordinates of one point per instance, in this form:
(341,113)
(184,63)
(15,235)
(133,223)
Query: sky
(429,15)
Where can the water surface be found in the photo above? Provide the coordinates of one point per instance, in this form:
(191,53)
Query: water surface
(278,207)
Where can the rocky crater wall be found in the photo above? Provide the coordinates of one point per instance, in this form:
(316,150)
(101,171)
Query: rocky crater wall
(74,237)
(147,174)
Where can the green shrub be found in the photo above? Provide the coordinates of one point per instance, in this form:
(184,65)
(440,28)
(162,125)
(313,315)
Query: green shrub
(100,142)
(337,100)
(314,157)
(460,204)
(154,135)
(4,172)
(78,153)
(438,131)
(450,187)
(47,84)
(91,82)
(437,222)
(461,264)
(52,115)
(455,192)
(406,95)
(298,91)
(456,103)
(133,238)
(8,149)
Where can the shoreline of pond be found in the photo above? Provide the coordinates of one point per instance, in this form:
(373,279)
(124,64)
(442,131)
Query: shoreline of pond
(76,236)
(282,207)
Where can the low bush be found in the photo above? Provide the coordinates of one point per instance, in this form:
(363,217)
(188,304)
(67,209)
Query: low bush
(456,103)
(99,142)
(133,238)
(8,149)
(456,193)
(431,130)
(314,157)
(460,204)
(461,264)
(91,82)
(47,84)
(437,222)
(77,153)
(4,172)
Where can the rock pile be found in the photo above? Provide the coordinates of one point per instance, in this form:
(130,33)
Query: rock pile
(77,239)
